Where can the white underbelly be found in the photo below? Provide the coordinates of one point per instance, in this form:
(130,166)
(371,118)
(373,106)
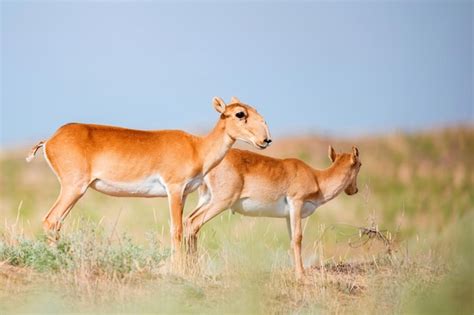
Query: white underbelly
(152,186)
(255,208)
(275,209)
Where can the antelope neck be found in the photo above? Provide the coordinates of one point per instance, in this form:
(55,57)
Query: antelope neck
(215,145)
(332,181)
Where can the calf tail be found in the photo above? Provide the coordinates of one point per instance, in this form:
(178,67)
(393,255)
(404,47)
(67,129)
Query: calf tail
(32,153)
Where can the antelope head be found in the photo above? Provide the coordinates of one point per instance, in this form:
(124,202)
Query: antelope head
(350,163)
(243,122)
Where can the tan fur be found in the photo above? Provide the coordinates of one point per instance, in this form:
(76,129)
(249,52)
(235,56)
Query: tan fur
(245,177)
(120,161)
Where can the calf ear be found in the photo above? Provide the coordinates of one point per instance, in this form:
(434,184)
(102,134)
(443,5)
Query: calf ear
(235,100)
(355,151)
(355,155)
(331,153)
(219,104)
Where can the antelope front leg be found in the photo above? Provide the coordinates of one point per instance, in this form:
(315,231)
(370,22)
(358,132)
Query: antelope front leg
(296,235)
(176,204)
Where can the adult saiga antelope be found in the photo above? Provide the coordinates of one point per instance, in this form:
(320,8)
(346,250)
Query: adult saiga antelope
(256,185)
(136,163)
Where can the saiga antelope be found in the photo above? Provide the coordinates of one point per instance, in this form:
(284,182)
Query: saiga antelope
(136,163)
(256,185)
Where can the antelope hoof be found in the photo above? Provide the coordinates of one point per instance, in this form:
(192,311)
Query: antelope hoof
(52,237)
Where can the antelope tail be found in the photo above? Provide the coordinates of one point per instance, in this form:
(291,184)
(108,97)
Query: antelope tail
(32,153)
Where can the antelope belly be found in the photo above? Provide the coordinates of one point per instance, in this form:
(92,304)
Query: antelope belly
(258,208)
(152,186)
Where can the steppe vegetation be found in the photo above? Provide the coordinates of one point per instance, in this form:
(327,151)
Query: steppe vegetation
(403,244)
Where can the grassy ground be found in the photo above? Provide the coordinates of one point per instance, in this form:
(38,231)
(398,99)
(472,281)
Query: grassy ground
(415,256)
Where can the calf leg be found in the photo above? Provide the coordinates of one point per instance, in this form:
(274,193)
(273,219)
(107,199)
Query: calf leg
(297,235)
(197,219)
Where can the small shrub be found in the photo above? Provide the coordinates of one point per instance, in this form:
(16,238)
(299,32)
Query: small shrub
(87,249)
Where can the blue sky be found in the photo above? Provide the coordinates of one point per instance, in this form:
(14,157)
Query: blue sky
(341,68)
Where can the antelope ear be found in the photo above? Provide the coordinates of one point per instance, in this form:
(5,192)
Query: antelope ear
(355,151)
(331,153)
(219,104)
(235,100)
(355,154)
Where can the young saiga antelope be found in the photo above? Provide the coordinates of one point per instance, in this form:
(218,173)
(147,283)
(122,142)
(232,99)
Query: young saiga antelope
(256,185)
(136,163)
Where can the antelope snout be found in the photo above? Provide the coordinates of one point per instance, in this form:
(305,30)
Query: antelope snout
(264,144)
(349,191)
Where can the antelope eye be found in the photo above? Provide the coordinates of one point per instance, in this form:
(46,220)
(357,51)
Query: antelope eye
(240,115)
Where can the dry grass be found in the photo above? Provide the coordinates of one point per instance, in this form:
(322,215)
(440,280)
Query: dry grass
(88,272)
